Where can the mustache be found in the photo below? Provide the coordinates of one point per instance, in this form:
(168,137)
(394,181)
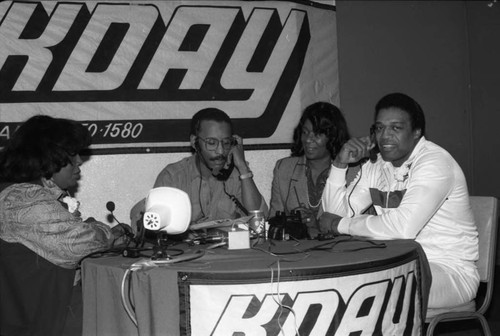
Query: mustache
(218,158)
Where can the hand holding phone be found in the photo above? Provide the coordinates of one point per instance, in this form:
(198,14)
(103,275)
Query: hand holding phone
(354,150)
(225,172)
(237,155)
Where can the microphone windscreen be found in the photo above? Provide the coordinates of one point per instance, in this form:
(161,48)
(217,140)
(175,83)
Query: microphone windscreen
(110,206)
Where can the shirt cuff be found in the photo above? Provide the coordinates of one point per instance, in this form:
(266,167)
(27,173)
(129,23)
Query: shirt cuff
(343,226)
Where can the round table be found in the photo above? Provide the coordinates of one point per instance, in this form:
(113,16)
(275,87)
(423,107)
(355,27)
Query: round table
(330,287)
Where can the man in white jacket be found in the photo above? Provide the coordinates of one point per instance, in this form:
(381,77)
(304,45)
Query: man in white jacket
(417,190)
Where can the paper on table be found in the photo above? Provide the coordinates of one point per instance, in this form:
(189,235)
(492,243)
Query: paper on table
(219,223)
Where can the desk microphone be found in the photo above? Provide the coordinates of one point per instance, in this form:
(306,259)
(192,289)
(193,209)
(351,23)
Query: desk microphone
(127,229)
(111,207)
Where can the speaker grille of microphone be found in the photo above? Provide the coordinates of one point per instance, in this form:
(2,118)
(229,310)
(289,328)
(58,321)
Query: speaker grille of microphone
(152,221)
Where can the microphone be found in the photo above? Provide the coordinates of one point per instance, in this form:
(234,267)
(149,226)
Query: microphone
(110,206)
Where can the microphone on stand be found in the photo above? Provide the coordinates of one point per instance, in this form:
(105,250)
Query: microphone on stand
(110,206)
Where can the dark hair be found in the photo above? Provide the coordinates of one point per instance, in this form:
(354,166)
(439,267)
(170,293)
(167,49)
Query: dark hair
(41,147)
(209,113)
(326,119)
(407,104)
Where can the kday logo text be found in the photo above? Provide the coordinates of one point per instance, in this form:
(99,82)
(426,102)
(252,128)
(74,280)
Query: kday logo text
(379,308)
(153,52)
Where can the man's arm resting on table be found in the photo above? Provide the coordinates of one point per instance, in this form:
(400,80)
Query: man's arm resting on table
(329,223)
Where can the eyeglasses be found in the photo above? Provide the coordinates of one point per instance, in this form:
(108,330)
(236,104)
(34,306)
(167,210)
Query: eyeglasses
(211,144)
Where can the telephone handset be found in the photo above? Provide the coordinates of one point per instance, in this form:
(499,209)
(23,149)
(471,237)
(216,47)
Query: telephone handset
(374,151)
(225,172)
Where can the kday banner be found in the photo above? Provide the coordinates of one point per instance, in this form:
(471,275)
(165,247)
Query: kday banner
(136,72)
(385,302)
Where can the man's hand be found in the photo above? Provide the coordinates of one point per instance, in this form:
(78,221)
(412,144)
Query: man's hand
(352,151)
(237,154)
(328,223)
(309,219)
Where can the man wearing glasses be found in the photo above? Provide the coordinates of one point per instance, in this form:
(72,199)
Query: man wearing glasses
(217,178)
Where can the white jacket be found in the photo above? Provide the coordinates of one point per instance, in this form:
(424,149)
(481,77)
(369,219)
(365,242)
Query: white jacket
(425,199)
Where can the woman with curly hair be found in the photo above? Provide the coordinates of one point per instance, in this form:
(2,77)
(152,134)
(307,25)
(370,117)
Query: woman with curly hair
(42,234)
(298,181)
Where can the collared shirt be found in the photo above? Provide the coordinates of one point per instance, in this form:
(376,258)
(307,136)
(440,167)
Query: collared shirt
(206,193)
(35,216)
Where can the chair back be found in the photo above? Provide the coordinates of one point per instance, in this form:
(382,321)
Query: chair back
(486,216)
(35,294)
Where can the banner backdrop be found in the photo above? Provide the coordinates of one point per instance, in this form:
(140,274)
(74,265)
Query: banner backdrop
(135,72)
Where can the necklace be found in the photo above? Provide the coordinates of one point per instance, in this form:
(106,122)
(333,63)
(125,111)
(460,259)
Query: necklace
(312,205)
(318,187)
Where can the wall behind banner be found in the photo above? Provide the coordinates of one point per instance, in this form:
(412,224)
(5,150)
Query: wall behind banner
(445,54)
